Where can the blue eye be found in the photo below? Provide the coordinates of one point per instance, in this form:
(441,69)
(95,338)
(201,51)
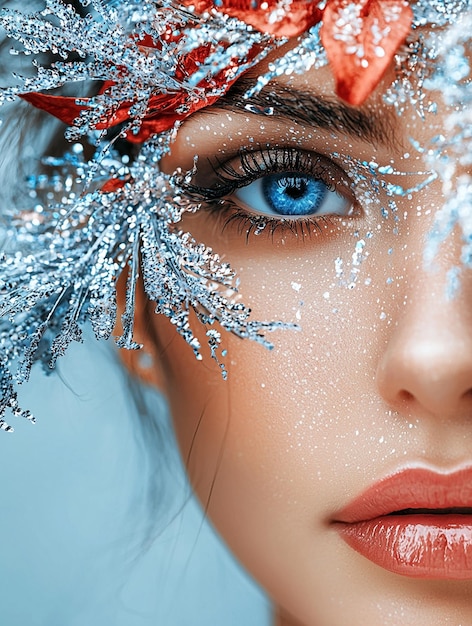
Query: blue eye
(292,194)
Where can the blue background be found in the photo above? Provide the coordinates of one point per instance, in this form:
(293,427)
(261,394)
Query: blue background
(97,523)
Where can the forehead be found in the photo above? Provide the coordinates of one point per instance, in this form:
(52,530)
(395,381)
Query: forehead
(427,79)
(308,100)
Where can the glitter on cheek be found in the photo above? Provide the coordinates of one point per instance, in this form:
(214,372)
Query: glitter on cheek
(320,426)
(314,378)
(329,411)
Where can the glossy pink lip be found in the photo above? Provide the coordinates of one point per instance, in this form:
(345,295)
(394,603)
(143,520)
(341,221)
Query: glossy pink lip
(416,523)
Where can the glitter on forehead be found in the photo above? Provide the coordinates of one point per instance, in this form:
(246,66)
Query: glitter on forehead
(412,68)
(439,12)
(307,54)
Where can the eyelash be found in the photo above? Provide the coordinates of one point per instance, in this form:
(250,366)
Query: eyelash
(261,162)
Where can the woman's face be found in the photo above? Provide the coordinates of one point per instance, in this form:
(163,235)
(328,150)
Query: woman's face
(377,381)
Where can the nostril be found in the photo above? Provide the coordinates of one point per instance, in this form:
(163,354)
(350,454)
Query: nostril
(406,396)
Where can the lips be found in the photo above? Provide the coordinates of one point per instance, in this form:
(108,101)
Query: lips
(417,523)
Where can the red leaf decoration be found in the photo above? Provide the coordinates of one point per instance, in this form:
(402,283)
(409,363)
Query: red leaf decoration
(280,18)
(161,113)
(114,184)
(361,39)
(61,107)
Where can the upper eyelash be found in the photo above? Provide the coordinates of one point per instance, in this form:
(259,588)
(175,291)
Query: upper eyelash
(256,163)
(280,160)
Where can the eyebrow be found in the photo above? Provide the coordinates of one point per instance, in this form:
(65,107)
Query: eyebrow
(299,106)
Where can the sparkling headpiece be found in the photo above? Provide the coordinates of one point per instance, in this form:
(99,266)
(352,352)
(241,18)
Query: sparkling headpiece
(156,63)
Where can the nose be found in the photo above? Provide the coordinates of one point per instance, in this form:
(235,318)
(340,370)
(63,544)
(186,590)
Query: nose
(426,366)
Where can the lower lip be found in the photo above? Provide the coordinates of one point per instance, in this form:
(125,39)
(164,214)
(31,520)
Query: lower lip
(420,546)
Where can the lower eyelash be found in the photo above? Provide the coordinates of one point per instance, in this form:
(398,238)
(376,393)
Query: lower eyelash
(248,224)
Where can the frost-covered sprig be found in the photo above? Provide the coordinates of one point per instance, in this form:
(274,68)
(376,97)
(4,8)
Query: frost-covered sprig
(451,152)
(148,56)
(64,275)
(90,221)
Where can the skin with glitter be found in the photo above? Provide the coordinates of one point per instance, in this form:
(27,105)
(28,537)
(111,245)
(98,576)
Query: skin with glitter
(336,466)
(376,384)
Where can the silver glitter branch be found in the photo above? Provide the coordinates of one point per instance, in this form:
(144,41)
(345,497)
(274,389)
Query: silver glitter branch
(91,221)
(453,150)
(116,48)
(69,275)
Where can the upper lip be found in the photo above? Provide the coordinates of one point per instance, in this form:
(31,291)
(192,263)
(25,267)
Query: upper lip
(417,488)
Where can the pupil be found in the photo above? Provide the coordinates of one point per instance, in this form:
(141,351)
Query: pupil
(295,189)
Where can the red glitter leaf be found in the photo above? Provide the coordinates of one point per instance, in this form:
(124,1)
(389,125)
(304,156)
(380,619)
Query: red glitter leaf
(275,17)
(114,184)
(161,112)
(61,107)
(361,39)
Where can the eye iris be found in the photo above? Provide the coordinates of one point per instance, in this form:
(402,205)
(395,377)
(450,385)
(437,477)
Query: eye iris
(293,194)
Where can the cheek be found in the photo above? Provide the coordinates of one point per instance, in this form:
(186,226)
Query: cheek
(280,445)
